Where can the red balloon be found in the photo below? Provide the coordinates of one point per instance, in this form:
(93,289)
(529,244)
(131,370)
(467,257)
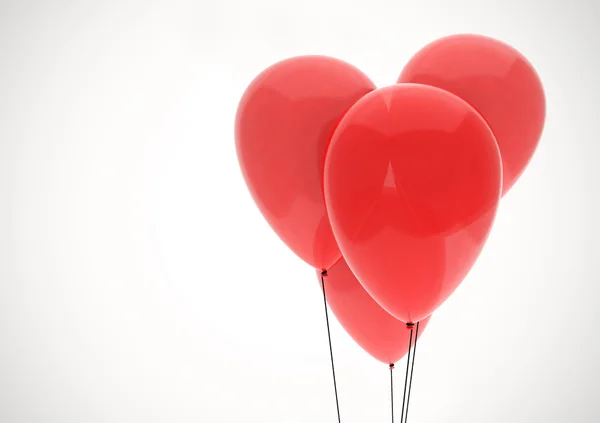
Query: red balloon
(412,183)
(496,80)
(374,329)
(283,124)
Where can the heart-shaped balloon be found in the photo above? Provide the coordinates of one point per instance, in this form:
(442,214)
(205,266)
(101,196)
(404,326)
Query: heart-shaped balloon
(379,333)
(412,183)
(283,124)
(495,79)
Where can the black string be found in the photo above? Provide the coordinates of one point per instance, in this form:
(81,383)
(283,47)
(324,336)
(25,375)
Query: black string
(412,371)
(392,388)
(337,403)
(407,364)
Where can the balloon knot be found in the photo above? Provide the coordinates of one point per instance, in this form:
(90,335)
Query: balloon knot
(324,273)
(410,325)
(391,366)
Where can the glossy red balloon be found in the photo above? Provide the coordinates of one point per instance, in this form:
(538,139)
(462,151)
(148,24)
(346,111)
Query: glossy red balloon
(374,329)
(283,124)
(412,183)
(496,80)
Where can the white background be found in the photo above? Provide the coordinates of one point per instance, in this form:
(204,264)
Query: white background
(139,283)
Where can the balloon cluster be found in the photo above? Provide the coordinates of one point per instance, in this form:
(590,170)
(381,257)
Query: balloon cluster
(390,192)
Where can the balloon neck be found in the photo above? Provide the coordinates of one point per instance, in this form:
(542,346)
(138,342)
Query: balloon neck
(391,366)
(410,325)
(323,273)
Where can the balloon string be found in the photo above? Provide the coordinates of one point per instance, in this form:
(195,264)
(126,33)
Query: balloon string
(337,403)
(407,368)
(392,388)
(412,371)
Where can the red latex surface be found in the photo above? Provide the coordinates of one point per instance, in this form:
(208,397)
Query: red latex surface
(412,183)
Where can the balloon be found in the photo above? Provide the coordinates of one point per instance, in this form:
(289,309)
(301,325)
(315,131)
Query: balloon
(497,81)
(283,124)
(374,329)
(412,183)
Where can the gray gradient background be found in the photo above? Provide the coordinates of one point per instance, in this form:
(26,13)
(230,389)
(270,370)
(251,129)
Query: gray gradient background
(138,282)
